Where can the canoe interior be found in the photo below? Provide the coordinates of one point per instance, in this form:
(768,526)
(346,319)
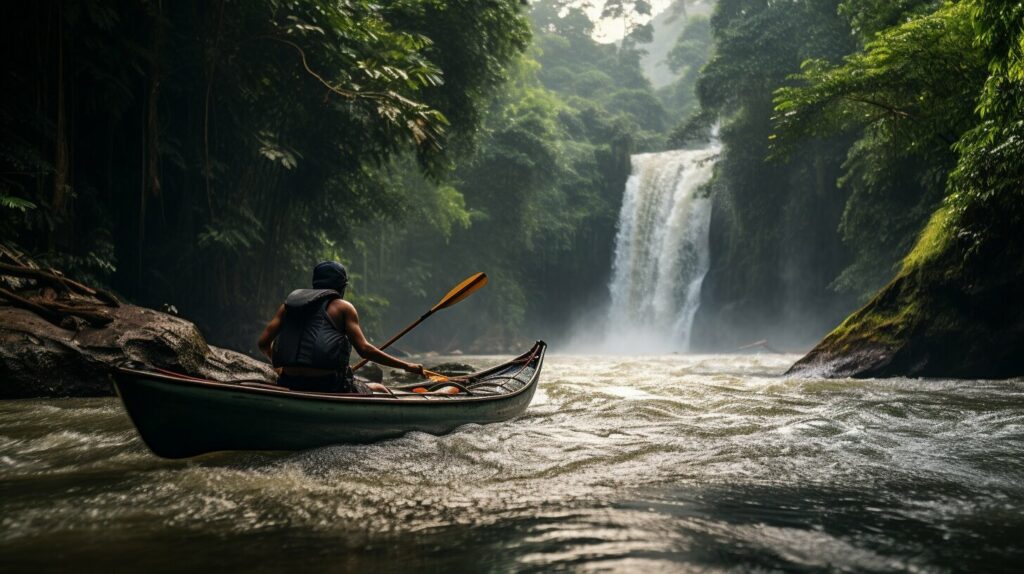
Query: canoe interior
(180,416)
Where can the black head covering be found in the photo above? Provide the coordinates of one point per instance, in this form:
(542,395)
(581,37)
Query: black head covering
(330,275)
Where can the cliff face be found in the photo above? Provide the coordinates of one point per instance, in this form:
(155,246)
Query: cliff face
(949,312)
(774,249)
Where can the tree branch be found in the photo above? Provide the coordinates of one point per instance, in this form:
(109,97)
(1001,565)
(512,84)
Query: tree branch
(888,108)
(53,278)
(897,112)
(352,95)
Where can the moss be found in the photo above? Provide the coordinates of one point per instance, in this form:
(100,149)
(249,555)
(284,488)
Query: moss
(903,305)
(935,239)
(882,321)
(946,313)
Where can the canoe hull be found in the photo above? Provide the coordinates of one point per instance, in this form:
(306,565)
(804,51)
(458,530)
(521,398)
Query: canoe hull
(179,419)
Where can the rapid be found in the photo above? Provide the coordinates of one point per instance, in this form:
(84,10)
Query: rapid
(646,463)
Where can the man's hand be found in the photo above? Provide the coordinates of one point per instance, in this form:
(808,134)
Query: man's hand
(416,369)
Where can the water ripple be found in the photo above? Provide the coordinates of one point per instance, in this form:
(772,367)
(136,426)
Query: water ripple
(657,463)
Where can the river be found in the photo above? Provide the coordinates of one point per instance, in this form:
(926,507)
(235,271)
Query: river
(652,464)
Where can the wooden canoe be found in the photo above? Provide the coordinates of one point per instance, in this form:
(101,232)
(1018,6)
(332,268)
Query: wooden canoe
(179,416)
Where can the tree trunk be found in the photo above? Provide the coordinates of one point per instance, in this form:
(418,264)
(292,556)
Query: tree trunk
(151,135)
(60,154)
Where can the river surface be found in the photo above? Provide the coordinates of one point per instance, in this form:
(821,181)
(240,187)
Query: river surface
(622,464)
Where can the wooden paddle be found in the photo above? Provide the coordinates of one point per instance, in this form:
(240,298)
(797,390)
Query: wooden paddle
(458,293)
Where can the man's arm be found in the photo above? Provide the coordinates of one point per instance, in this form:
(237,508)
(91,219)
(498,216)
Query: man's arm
(267,338)
(345,314)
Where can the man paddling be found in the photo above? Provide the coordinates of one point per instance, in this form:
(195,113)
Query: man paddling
(312,335)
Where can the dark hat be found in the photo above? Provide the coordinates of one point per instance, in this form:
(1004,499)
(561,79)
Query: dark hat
(330,275)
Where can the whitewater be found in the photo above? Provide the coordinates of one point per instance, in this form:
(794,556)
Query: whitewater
(661,252)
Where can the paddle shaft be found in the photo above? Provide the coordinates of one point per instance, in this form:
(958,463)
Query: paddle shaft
(388,343)
(458,293)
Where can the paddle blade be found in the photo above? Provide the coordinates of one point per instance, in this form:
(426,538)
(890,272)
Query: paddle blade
(435,377)
(461,291)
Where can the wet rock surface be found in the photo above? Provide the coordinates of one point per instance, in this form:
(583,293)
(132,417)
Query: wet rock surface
(450,369)
(40,359)
(62,338)
(940,318)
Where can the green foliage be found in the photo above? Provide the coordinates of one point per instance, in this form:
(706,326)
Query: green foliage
(597,77)
(541,194)
(907,95)
(692,48)
(215,146)
(238,232)
(15,203)
(916,80)
(869,17)
(987,198)
(948,311)
(910,93)
(689,54)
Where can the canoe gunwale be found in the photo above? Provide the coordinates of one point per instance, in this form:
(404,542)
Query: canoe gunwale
(534,355)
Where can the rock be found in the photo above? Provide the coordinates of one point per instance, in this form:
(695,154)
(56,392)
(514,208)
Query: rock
(372,373)
(40,359)
(453,369)
(948,313)
(450,369)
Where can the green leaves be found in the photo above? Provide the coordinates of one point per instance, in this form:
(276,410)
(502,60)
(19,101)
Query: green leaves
(272,150)
(919,78)
(15,203)
(937,94)
(987,199)
(237,233)
(905,96)
(355,51)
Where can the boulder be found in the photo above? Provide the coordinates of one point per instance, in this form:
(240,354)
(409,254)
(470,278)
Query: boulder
(41,359)
(61,338)
(951,312)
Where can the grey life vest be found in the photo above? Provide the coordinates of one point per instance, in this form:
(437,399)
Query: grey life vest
(308,336)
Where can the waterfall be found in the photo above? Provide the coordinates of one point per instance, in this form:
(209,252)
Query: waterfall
(661,252)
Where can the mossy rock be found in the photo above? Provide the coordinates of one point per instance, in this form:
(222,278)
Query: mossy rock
(949,312)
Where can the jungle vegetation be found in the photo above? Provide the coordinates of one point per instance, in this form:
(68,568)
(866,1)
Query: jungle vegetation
(204,154)
(849,126)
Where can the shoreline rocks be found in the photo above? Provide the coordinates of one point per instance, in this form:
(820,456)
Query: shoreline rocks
(40,359)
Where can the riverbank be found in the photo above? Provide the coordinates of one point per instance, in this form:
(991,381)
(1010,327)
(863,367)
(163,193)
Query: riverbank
(60,338)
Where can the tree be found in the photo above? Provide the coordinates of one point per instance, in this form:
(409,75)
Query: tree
(202,153)
(907,96)
(774,249)
(688,56)
(949,310)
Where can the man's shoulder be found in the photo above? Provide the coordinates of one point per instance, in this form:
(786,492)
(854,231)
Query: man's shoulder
(340,306)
